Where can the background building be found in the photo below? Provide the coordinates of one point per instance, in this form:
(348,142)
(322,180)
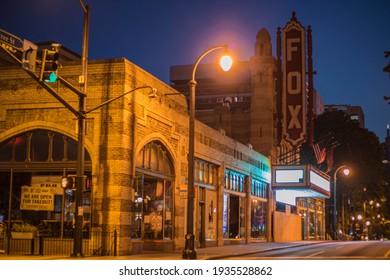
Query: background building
(241,102)
(354,113)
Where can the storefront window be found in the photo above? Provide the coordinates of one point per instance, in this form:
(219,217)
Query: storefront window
(168,211)
(258,219)
(157,209)
(225,216)
(312,225)
(34,149)
(153,200)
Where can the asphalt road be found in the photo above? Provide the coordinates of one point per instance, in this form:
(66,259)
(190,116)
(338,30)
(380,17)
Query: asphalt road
(365,250)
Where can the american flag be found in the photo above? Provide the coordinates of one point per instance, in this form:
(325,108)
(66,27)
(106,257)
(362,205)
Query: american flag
(319,152)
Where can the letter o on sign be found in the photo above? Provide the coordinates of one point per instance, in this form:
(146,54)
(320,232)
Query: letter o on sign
(294,80)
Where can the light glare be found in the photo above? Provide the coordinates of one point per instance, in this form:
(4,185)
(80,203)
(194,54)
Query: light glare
(226,62)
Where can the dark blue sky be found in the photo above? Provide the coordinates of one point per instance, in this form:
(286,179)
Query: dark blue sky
(349,37)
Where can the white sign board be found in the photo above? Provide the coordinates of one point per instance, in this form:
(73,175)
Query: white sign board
(53,182)
(37,198)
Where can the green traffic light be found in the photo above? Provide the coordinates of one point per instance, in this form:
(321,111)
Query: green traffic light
(51,78)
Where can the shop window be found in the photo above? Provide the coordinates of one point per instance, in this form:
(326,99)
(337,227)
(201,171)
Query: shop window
(225,216)
(33,149)
(156,211)
(153,204)
(258,219)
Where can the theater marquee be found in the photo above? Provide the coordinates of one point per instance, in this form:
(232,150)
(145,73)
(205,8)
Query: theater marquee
(293,181)
(294,83)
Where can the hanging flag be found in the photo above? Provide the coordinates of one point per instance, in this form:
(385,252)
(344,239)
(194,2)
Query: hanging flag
(329,159)
(319,152)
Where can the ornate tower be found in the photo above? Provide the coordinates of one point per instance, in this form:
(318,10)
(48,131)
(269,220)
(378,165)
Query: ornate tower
(263,66)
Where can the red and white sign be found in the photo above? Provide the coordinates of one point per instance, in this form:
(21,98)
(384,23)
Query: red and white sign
(294,83)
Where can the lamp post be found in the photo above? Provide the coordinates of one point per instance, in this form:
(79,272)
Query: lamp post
(78,234)
(346,172)
(189,251)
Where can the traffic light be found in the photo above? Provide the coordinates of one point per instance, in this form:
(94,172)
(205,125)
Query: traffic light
(29,56)
(49,64)
(68,182)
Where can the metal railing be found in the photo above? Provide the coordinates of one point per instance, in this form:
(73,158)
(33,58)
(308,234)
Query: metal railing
(95,243)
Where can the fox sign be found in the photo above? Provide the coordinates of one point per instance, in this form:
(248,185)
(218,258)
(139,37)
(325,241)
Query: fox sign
(294,83)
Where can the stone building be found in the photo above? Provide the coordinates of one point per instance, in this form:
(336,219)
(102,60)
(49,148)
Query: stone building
(135,156)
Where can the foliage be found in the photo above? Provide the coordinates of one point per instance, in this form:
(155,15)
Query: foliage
(360,150)
(357,148)
(24,227)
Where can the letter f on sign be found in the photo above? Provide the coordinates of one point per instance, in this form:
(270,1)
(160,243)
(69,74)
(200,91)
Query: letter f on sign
(291,48)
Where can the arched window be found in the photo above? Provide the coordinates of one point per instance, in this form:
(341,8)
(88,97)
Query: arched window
(40,146)
(155,158)
(153,205)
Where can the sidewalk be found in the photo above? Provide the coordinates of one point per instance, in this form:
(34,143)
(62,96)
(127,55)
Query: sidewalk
(210,253)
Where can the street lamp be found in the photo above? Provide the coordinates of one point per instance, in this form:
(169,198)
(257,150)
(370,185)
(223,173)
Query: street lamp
(346,173)
(78,234)
(189,251)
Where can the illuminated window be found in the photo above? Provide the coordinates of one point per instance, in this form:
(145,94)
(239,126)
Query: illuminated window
(354,117)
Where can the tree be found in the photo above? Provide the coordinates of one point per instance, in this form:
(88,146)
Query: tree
(357,148)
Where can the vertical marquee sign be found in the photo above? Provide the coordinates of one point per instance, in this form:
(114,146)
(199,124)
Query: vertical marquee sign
(294,82)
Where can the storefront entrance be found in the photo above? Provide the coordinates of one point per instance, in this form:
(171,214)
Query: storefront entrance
(234,225)
(152,213)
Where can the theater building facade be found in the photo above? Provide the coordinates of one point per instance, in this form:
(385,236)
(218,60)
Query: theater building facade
(135,159)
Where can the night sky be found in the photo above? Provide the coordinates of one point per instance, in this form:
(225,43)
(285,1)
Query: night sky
(349,37)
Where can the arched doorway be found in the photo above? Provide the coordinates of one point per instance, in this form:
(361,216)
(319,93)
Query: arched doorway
(39,158)
(154,191)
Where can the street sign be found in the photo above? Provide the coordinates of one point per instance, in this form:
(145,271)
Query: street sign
(11,40)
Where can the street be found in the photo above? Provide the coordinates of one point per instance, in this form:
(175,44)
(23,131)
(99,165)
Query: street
(364,250)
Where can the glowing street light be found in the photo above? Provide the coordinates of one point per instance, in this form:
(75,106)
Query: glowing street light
(189,251)
(346,172)
(226,62)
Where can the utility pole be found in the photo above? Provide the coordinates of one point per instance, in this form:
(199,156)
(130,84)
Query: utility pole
(80,181)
